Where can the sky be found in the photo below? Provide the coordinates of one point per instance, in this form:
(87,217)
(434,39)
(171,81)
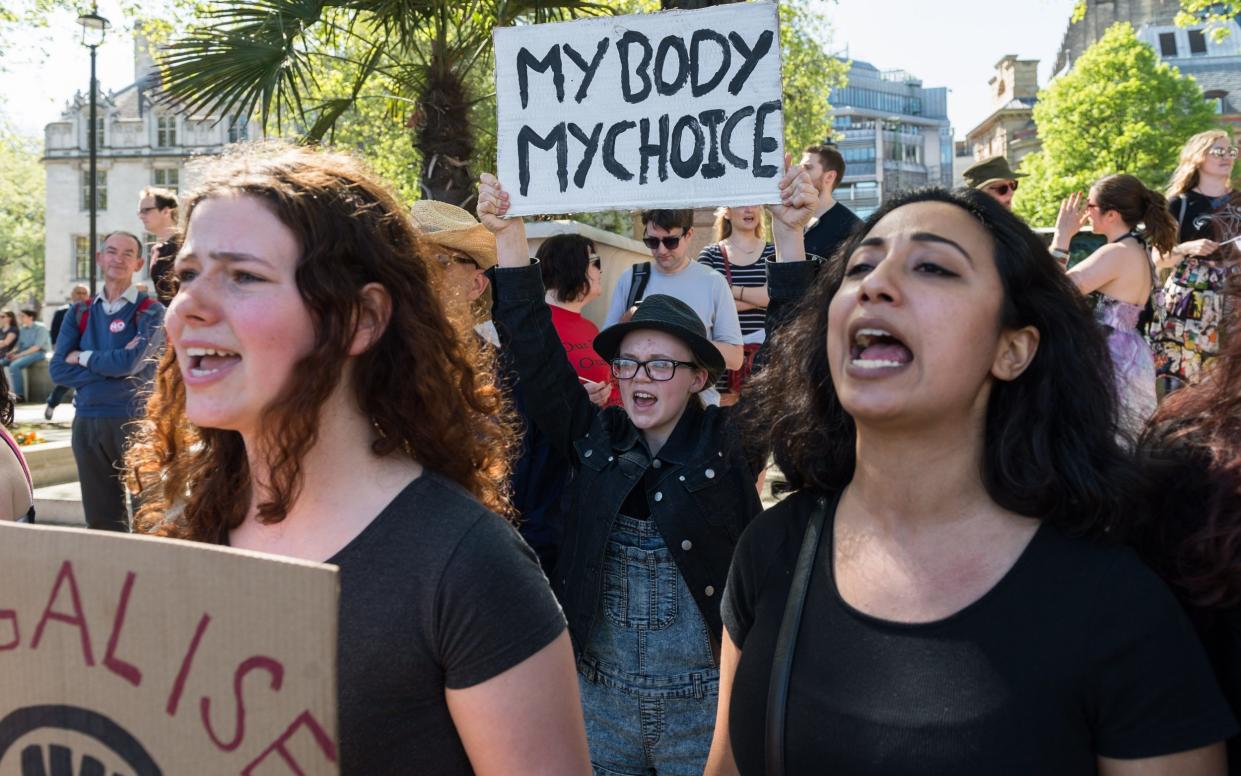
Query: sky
(953,43)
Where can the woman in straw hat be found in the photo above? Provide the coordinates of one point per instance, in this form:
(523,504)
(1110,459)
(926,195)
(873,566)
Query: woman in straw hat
(315,402)
(660,493)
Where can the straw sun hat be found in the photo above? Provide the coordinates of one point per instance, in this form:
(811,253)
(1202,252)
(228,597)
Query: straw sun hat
(451,227)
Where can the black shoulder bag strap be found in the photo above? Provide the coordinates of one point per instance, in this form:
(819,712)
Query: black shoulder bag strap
(786,641)
(637,284)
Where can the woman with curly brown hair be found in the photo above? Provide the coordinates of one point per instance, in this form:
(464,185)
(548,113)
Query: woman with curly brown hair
(315,402)
(1194,539)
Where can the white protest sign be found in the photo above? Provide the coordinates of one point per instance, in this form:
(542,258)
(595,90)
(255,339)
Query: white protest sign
(673,109)
(135,656)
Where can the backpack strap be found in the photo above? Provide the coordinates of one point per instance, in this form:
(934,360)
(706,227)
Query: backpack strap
(641,275)
(81,311)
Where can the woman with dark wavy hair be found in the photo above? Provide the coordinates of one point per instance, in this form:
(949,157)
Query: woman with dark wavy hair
(943,404)
(315,402)
(1194,537)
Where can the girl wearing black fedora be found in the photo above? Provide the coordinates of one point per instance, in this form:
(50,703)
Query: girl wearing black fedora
(660,494)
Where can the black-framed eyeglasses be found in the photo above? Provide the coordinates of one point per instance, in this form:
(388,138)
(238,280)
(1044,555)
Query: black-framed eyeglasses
(446,260)
(144,210)
(658,369)
(595,261)
(671,242)
(1229,152)
(1000,189)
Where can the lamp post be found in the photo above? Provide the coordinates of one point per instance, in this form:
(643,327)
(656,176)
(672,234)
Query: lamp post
(94,28)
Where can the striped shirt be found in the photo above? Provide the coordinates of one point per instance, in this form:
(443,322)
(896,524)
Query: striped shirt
(749,275)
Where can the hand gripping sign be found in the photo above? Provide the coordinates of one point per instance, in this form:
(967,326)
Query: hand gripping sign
(140,656)
(672,109)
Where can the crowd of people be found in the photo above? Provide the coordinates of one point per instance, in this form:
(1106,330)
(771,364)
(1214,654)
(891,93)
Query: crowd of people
(1011,544)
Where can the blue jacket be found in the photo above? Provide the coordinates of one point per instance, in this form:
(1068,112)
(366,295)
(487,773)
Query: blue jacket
(122,361)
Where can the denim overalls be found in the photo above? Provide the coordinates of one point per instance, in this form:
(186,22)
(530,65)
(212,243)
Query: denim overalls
(648,677)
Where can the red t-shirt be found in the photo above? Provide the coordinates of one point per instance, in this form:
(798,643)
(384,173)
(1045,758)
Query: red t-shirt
(578,333)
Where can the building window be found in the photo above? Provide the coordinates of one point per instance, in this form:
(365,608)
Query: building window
(81,257)
(1167,44)
(99,135)
(166,178)
(862,154)
(1197,42)
(101,192)
(166,131)
(238,129)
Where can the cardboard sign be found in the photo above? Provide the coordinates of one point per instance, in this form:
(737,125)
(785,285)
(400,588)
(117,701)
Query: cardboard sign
(140,656)
(669,110)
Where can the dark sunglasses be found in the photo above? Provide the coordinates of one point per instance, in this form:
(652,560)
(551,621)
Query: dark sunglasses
(670,243)
(1003,188)
(595,261)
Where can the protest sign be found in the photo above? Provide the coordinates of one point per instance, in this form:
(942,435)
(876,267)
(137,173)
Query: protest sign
(672,109)
(140,656)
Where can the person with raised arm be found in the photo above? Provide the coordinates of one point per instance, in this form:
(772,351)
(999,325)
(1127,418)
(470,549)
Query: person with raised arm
(661,490)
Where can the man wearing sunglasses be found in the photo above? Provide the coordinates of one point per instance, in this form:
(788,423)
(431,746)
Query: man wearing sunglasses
(994,176)
(667,234)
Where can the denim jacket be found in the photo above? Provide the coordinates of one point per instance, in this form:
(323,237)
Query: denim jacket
(703,496)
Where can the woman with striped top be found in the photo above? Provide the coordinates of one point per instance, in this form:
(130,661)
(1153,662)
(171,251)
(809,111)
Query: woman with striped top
(739,253)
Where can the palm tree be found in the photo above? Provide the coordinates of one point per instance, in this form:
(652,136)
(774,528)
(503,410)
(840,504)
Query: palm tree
(425,56)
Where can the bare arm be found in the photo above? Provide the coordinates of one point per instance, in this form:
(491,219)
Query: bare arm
(750,297)
(734,355)
(528,720)
(1098,269)
(1207,761)
(720,761)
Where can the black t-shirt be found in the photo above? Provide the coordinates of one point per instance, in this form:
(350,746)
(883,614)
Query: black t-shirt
(832,229)
(1079,651)
(436,592)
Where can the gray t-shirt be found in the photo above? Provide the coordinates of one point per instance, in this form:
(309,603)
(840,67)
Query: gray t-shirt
(437,592)
(698,286)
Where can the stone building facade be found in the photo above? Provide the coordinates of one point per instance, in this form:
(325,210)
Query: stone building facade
(1009,130)
(893,133)
(143,141)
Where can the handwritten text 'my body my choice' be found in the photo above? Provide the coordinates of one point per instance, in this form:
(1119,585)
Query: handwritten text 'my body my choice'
(670,67)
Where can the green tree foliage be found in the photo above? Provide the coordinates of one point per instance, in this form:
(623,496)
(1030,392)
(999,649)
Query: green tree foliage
(1118,110)
(1219,13)
(22,187)
(810,73)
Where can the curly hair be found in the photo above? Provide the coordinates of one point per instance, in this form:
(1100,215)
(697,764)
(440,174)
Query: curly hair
(1051,449)
(453,416)
(1193,444)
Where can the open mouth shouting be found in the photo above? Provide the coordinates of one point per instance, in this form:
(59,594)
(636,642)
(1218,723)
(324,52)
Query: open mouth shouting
(205,363)
(643,400)
(876,349)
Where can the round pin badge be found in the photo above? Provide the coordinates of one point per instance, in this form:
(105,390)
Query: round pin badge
(117,326)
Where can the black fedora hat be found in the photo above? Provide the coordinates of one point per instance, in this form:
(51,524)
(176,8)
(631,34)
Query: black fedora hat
(993,168)
(667,314)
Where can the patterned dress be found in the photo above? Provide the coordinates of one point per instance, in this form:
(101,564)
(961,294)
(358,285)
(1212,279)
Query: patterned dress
(1188,309)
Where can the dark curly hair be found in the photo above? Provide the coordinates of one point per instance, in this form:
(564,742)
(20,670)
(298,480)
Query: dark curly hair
(1051,447)
(452,417)
(564,261)
(1193,448)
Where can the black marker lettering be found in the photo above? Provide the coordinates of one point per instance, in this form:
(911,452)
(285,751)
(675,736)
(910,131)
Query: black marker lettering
(628,39)
(647,149)
(527,60)
(698,88)
(711,120)
(591,144)
(609,150)
(688,167)
(762,143)
(588,70)
(750,57)
(555,139)
(671,43)
(726,139)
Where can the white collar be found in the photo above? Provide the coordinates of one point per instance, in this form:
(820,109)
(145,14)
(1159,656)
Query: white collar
(130,295)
